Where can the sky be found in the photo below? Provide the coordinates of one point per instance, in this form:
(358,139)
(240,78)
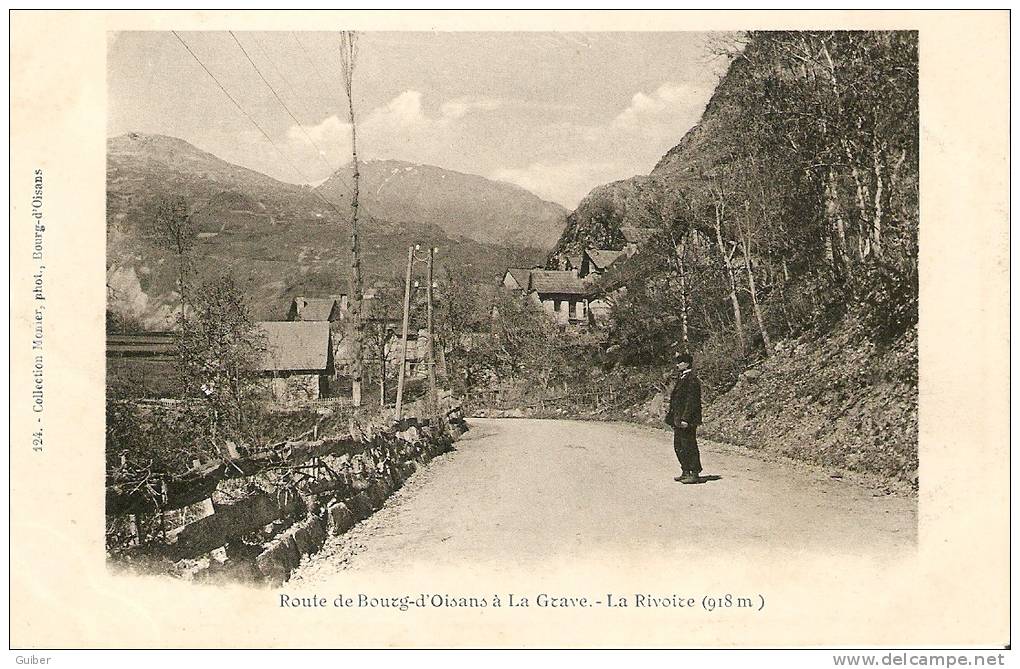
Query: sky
(556,113)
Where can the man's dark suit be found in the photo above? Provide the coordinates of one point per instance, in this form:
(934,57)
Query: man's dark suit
(685,407)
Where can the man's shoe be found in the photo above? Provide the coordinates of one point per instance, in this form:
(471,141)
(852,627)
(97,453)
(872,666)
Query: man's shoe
(678,478)
(688,478)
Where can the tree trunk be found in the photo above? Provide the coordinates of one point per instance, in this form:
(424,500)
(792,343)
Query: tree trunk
(837,229)
(863,236)
(879,206)
(681,249)
(727,261)
(745,244)
(382,370)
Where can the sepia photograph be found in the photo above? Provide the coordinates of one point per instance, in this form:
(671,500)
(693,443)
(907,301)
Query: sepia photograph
(510,329)
(361,296)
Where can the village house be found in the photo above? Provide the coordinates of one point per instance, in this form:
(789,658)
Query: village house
(141,364)
(612,285)
(330,308)
(297,360)
(595,262)
(517,278)
(561,293)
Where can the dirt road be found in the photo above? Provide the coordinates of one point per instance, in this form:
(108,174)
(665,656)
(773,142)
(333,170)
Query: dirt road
(535,488)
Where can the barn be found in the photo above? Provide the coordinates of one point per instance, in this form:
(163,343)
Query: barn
(297,360)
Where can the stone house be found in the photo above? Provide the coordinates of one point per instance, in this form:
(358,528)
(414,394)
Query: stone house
(297,362)
(517,278)
(330,308)
(561,293)
(142,364)
(634,237)
(595,262)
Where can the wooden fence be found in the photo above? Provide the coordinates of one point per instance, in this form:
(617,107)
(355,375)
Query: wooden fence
(331,482)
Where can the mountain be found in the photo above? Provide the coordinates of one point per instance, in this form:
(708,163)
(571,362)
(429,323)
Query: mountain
(141,169)
(276,239)
(602,213)
(796,285)
(463,205)
(635,202)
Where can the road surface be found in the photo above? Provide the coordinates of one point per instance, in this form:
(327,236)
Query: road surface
(535,488)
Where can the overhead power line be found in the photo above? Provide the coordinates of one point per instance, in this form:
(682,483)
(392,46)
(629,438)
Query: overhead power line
(295,91)
(255,123)
(315,68)
(283,104)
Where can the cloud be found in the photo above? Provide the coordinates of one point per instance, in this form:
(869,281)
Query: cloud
(400,129)
(402,112)
(560,159)
(565,182)
(576,157)
(320,148)
(667,102)
(459,107)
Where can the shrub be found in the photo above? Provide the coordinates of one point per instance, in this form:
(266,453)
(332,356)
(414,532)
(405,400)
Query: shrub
(885,299)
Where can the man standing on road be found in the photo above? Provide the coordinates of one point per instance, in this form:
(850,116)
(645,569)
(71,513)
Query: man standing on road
(685,416)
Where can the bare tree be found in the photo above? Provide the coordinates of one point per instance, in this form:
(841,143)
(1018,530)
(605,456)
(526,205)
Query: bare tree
(174,230)
(348,56)
(726,255)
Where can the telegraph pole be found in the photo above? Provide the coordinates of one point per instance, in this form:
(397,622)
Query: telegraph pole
(348,53)
(433,399)
(403,350)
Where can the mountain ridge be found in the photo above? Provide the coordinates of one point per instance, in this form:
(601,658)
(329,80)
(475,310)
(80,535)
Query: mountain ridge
(277,239)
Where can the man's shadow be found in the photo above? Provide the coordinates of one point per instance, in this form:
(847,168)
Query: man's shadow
(709,477)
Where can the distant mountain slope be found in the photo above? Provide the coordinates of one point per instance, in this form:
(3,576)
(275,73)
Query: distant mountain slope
(141,168)
(602,213)
(463,205)
(276,239)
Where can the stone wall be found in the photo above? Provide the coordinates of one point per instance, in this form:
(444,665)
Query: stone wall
(270,523)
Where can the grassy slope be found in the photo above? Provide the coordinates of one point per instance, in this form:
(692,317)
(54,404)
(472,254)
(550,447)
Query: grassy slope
(837,401)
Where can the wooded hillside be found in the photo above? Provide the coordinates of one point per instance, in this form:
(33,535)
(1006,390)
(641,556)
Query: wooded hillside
(788,214)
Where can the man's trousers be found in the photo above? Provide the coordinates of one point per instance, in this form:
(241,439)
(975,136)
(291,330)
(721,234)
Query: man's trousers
(685,443)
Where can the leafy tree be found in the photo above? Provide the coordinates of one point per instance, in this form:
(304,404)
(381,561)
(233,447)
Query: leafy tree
(219,351)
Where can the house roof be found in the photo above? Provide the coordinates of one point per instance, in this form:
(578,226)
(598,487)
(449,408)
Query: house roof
(521,275)
(637,267)
(315,308)
(294,345)
(140,343)
(603,258)
(636,235)
(554,281)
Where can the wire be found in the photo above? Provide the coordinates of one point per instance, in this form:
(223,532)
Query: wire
(315,68)
(283,104)
(313,191)
(294,90)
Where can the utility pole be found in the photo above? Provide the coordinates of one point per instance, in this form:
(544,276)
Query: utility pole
(403,351)
(433,399)
(383,341)
(348,53)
